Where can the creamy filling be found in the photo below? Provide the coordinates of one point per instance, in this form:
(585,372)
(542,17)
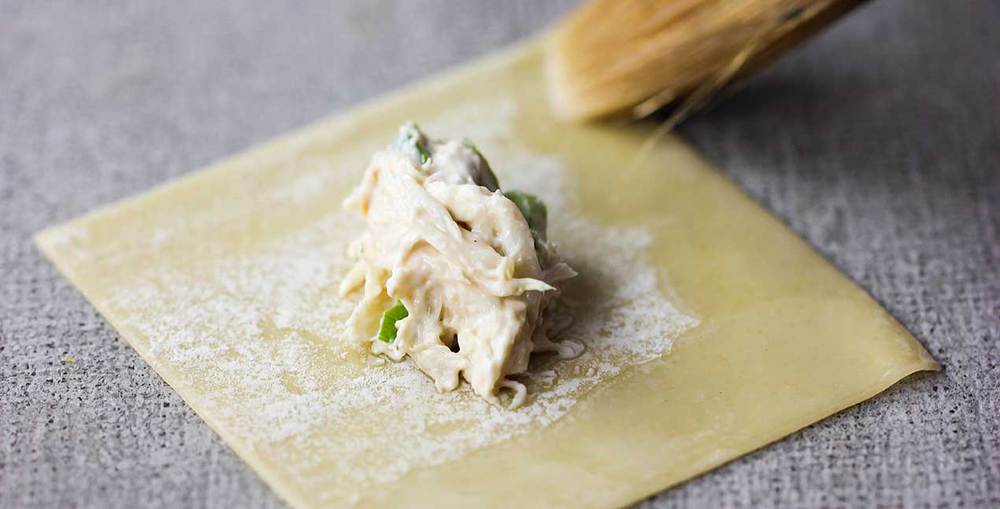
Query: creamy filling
(473,269)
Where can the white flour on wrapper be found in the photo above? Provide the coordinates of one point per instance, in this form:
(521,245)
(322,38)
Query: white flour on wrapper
(258,331)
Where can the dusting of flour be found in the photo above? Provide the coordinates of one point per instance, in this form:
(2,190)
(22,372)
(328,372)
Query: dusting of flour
(255,334)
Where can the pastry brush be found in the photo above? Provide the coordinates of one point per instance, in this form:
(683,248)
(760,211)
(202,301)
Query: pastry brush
(633,57)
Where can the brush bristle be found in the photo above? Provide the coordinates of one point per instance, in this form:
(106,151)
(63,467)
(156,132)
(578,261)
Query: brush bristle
(630,57)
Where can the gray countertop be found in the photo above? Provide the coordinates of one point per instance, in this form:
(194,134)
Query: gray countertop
(879,143)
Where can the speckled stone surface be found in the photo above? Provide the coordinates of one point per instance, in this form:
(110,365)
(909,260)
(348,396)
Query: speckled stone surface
(879,143)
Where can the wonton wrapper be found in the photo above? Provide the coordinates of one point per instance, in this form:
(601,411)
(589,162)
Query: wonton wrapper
(784,340)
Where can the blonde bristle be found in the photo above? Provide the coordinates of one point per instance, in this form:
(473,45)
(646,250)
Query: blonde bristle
(633,56)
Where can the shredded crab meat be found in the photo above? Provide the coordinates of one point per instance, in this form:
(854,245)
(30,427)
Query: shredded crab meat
(477,282)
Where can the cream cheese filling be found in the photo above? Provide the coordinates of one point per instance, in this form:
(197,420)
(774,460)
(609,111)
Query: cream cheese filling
(476,280)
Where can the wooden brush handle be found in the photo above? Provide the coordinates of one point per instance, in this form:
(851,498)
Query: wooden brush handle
(797,35)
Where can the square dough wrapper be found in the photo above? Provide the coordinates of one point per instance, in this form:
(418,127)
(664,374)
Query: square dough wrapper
(782,341)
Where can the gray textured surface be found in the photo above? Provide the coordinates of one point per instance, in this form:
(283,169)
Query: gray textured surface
(879,143)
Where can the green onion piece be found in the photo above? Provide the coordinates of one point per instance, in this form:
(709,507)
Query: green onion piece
(387,326)
(422,151)
(532,209)
(424,154)
(488,178)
